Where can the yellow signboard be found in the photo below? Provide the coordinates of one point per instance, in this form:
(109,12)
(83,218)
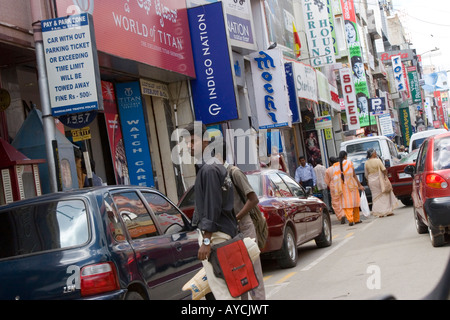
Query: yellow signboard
(81,134)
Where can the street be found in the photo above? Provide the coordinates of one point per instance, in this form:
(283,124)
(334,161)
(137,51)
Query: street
(381,256)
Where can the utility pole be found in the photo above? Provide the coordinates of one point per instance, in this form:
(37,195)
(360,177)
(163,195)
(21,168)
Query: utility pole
(47,118)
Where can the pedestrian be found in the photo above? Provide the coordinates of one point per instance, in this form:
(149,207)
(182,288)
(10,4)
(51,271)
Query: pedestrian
(213,214)
(334,182)
(96,180)
(383,201)
(245,199)
(350,198)
(320,170)
(305,175)
(277,160)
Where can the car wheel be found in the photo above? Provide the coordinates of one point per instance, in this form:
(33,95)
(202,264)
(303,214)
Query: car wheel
(420,226)
(407,201)
(133,295)
(437,238)
(324,239)
(288,252)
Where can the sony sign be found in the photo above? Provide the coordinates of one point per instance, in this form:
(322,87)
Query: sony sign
(348,90)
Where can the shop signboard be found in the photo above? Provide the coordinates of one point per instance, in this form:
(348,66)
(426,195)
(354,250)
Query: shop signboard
(213,91)
(416,94)
(405,124)
(71,64)
(129,102)
(239,21)
(269,82)
(319,33)
(155,33)
(324,122)
(356,56)
(399,78)
(305,82)
(348,92)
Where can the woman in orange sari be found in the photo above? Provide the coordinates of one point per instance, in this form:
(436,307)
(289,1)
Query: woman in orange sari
(332,179)
(350,198)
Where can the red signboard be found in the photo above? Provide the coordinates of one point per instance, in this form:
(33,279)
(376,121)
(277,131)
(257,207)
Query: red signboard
(151,32)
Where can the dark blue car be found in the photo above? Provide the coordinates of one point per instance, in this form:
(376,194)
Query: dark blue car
(116,242)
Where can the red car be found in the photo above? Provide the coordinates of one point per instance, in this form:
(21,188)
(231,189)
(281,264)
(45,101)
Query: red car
(402,182)
(293,215)
(431,192)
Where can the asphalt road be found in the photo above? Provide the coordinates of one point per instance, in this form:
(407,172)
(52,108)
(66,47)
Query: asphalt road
(381,256)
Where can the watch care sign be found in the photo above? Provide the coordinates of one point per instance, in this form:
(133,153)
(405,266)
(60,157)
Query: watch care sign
(72,64)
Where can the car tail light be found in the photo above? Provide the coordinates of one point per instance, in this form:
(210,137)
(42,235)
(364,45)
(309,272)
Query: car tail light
(98,278)
(436,181)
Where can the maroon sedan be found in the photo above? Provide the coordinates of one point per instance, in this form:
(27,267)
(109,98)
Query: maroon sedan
(402,182)
(431,191)
(293,215)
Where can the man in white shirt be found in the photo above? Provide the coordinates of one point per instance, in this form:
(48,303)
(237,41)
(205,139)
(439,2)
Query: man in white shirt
(319,169)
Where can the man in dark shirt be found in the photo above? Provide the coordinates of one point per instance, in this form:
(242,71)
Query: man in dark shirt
(213,213)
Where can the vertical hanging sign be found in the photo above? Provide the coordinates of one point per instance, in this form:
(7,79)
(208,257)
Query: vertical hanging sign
(318,31)
(356,58)
(213,92)
(348,91)
(271,94)
(399,78)
(129,103)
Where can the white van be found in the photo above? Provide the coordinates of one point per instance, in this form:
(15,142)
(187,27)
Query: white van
(419,137)
(384,147)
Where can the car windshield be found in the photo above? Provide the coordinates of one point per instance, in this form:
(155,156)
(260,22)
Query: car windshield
(47,226)
(358,160)
(441,155)
(411,157)
(363,146)
(255,182)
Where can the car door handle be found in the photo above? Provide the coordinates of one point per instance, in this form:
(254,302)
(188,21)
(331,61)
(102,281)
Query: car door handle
(178,246)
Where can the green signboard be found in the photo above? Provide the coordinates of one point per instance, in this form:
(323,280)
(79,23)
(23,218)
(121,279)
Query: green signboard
(405,124)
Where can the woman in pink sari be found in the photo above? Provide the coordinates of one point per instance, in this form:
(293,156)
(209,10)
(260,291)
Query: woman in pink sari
(332,177)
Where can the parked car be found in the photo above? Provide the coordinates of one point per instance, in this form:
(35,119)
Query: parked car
(430,188)
(384,147)
(111,242)
(418,138)
(359,160)
(293,215)
(402,182)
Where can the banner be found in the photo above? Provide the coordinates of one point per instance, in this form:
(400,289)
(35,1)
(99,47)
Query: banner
(355,52)
(405,125)
(349,96)
(134,134)
(114,131)
(292,92)
(318,32)
(213,91)
(271,96)
(386,125)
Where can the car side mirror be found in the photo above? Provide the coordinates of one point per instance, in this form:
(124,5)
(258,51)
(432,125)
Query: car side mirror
(308,191)
(411,170)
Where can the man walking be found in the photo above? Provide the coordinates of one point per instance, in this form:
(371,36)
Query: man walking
(305,175)
(320,170)
(213,213)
